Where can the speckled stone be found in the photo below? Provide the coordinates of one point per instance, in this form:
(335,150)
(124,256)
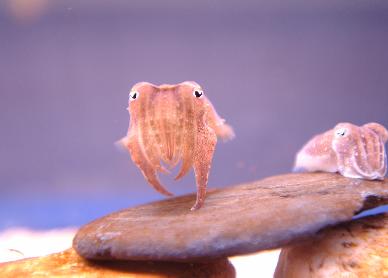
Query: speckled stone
(69,264)
(240,219)
(355,249)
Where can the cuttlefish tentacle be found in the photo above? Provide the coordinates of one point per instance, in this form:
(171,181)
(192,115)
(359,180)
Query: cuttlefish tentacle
(145,128)
(187,125)
(379,129)
(141,160)
(353,151)
(206,141)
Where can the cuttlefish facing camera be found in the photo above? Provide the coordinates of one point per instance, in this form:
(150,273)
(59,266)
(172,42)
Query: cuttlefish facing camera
(173,123)
(353,151)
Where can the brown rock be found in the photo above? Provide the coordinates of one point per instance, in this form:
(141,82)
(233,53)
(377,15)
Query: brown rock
(240,219)
(355,249)
(69,264)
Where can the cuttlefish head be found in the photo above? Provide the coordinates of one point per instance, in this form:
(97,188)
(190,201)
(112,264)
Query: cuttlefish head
(360,150)
(166,103)
(345,136)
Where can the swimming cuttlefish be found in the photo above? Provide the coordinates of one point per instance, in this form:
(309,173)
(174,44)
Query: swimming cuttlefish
(353,151)
(173,123)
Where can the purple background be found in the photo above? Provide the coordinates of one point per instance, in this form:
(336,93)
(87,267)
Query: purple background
(278,72)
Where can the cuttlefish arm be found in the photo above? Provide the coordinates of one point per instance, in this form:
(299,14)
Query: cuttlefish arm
(217,126)
(378,129)
(206,140)
(188,133)
(209,126)
(383,134)
(141,160)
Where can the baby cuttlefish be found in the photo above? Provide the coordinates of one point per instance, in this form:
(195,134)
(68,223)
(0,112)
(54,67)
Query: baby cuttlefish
(353,151)
(170,123)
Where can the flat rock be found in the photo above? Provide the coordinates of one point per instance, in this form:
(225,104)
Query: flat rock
(69,264)
(264,214)
(355,249)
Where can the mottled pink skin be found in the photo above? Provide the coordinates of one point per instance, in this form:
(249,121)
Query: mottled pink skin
(353,151)
(170,123)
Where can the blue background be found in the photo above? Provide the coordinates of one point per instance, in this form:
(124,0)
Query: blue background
(278,72)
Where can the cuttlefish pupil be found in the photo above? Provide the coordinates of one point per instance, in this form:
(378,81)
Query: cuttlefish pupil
(198,93)
(341,132)
(172,123)
(133,94)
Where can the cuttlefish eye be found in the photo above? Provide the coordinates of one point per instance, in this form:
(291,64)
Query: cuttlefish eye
(198,93)
(341,132)
(133,94)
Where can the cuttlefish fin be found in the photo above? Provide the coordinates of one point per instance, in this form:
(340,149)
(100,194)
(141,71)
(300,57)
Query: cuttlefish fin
(203,154)
(225,132)
(222,130)
(141,160)
(121,144)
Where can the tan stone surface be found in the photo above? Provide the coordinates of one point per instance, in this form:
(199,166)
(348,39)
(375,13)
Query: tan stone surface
(356,249)
(69,264)
(241,219)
